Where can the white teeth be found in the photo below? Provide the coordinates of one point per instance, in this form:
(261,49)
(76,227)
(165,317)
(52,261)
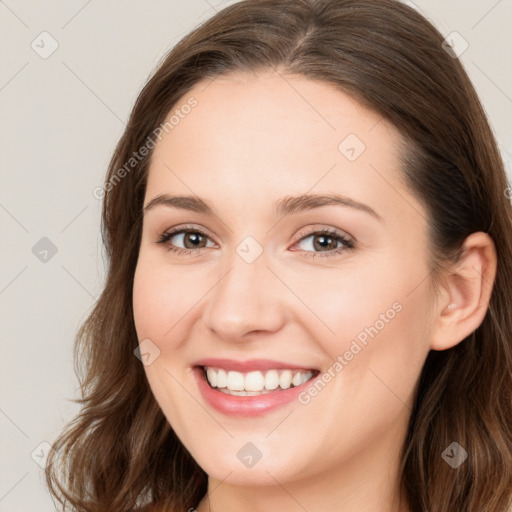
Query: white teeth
(243,393)
(255,382)
(297,379)
(212,376)
(235,381)
(271,379)
(222,378)
(285,380)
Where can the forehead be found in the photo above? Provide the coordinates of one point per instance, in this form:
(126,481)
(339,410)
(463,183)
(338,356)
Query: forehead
(269,134)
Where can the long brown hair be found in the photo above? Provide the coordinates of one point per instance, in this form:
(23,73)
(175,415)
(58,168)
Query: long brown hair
(120,452)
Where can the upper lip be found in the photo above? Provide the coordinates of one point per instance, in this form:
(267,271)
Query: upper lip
(249,364)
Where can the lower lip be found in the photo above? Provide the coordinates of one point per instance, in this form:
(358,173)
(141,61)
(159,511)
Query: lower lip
(248,406)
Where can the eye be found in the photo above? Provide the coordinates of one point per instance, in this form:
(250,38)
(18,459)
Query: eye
(191,238)
(326,242)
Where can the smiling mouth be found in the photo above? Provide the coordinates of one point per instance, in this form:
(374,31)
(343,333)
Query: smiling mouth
(255,382)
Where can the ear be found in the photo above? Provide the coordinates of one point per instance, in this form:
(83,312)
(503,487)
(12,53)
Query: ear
(465,293)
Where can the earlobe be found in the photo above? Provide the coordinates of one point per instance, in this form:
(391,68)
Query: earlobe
(466,293)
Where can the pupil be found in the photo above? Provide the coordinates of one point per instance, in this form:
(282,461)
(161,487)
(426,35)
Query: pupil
(326,241)
(194,238)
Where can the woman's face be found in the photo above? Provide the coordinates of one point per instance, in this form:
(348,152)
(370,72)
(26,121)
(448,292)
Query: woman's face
(264,291)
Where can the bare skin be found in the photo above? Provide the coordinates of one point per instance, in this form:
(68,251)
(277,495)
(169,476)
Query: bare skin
(250,141)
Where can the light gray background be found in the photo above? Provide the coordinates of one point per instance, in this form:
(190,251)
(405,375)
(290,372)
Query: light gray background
(60,120)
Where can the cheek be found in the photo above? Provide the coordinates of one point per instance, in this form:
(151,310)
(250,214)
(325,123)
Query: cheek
(147,303)
(341,304)
(162,296)
(158,305)
(375,324)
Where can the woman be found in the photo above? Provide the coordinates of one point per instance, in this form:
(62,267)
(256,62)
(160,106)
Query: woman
(310,256)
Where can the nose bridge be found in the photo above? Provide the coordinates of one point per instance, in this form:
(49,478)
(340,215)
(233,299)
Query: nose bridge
(241,301)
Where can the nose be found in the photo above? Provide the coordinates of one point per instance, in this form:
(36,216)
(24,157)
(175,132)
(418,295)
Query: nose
(247,299)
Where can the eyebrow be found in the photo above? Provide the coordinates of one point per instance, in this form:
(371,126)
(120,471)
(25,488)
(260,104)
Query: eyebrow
(285,206)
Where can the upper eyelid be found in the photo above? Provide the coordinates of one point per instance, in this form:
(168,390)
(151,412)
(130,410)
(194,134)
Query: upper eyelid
(314,230)
(186,229)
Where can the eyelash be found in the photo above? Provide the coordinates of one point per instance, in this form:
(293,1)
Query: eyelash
(347,244)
